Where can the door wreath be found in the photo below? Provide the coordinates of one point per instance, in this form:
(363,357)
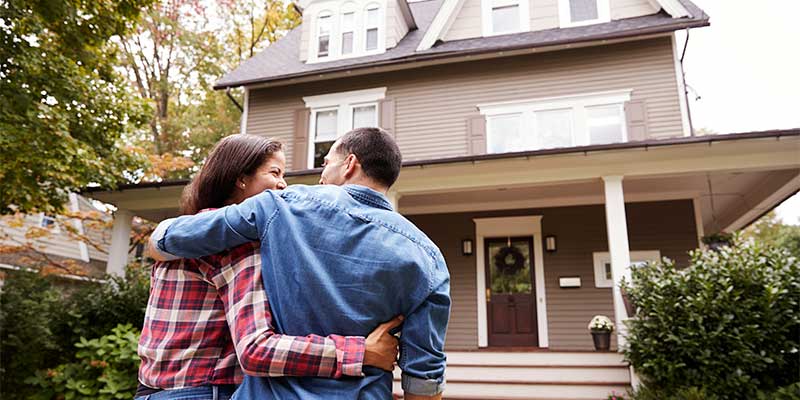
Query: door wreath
(509,260)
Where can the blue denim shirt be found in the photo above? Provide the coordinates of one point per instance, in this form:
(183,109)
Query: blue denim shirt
(336,260)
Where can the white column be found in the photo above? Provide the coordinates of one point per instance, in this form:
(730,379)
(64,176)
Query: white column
(618,248)
(394,198)
(120,240)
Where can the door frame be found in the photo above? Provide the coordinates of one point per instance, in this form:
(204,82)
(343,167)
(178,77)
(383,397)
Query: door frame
(510,226)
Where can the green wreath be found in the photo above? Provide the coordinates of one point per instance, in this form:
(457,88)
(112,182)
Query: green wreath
(509,260)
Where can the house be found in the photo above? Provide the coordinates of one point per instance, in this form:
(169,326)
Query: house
(58,241)
(547,147)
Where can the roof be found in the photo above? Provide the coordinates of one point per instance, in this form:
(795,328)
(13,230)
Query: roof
(707,139)
(281,60)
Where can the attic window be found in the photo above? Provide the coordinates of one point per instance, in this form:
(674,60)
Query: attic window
(323,35)
(505,16)
(348,32)
(371,26)
(583,12)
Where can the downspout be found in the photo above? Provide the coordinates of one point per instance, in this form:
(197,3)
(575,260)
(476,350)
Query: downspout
(685,88)
(239,106)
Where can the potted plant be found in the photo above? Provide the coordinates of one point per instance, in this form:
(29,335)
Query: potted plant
(601,328)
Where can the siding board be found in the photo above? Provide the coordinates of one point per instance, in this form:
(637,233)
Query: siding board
(433,104)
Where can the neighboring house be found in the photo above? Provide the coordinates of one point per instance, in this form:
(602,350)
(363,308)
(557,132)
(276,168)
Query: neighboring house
(546,146)
(58,245)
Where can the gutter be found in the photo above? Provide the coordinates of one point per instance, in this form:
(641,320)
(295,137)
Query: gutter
(453,56)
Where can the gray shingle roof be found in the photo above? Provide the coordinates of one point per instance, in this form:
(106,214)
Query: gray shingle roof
(281,60)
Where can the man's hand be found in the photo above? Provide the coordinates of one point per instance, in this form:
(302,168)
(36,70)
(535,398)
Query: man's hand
(381,346)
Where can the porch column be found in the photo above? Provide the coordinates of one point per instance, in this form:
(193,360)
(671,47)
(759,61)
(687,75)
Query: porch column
(618,248)
(120,240)
(394,198)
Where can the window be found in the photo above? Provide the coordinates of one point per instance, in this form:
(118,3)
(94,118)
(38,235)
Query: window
(371,26)
(324,35)
(333,115)
(48,222)
(583,12)
(556,122)
(603,277)
(348,32)
(505,16)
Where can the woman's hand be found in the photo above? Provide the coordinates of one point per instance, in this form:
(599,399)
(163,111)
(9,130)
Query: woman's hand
(381,346)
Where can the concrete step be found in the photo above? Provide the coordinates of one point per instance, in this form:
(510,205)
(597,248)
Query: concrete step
(507,391)
(521,374)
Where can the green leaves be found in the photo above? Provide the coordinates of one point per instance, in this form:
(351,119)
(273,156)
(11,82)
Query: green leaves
(728,323)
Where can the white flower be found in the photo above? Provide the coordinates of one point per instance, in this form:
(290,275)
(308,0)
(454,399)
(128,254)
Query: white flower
(601,323)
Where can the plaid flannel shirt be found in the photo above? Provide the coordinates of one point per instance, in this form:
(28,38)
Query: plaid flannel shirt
(205,312)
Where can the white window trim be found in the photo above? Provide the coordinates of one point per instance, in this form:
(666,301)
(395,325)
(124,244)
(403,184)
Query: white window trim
(343,102)
(486,16)
(359,7)
(565,16)
(511,226)
(82,246)
(580,121)
(602,258)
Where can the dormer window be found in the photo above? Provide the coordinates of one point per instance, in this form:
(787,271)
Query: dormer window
(505,16)
(352,29)
(583,12)
(371,27)
(348,32)
(324,34)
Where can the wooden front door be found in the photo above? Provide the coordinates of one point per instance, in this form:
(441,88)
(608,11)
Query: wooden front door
(511,294)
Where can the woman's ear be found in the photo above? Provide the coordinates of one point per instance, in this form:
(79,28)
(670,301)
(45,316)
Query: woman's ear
(241,183)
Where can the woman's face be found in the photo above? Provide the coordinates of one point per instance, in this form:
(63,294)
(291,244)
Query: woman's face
(268,176)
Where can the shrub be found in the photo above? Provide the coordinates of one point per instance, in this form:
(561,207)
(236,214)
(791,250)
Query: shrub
(40,327)
(104,369)
(726,326)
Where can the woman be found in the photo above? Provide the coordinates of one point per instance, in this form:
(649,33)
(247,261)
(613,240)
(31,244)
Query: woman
(208,319)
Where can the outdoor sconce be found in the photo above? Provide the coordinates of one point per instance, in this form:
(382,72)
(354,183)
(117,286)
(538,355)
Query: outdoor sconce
(466,247)
(550,243)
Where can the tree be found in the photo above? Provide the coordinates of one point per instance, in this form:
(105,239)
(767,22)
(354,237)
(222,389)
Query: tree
(772,231)
(63,107)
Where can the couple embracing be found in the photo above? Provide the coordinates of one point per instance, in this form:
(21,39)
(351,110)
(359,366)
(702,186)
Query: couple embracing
(301,289)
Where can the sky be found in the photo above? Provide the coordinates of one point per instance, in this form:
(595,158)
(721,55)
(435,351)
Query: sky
(745,68)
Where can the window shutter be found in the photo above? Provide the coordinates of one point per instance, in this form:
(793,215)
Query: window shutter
(386,115)
(300,145)
(476,135)
(636,120)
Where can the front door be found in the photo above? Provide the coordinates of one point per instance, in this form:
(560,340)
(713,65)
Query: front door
(510,291)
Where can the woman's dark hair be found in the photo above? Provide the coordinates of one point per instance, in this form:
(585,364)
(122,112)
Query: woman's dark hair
(231,158)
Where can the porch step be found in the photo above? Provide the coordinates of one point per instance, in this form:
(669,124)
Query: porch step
(532,375)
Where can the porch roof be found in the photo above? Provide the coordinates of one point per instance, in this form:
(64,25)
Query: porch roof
(761,170)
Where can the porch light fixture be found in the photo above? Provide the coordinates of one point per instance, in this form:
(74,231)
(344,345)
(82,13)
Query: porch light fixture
(550,243)
(466,247)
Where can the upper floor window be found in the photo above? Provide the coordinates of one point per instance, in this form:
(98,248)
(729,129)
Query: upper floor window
(48,222)
(505,16)
(333,115)
(556,122)
(371,27)
(352,29)
(324,34)
(583,12)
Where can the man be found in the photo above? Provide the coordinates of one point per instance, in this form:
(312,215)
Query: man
(336,258)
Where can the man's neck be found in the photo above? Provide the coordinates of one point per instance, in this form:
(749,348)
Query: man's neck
(370,184)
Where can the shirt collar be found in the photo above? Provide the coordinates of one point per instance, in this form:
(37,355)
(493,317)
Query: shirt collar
(368,196)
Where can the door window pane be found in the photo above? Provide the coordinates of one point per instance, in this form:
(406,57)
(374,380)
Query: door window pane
(554,128)
(605,124)
(583,10)
(505,134)
(509,266)
(364,116)
(505,19)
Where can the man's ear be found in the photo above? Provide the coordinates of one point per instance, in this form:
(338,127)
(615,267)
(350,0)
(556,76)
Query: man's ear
(350,166)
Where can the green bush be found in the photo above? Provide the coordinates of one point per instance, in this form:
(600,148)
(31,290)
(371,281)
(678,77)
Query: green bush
(727,327)
(40,325)
(105,369)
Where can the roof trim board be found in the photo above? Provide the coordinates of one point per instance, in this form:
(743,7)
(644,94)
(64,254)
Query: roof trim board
(441,23)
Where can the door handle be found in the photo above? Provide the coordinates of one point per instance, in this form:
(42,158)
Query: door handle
(488,295)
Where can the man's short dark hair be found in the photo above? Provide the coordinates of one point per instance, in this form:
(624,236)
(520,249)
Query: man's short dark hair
(377,152)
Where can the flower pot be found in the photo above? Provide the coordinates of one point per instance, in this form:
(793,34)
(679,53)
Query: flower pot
(602,340)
